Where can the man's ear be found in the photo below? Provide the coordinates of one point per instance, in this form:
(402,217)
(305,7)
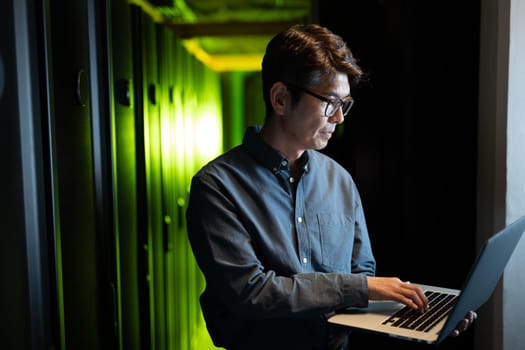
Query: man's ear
(279,97)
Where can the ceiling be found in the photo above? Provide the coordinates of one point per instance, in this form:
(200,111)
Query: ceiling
(227,35)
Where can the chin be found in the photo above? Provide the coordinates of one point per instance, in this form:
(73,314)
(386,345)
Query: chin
(320,145)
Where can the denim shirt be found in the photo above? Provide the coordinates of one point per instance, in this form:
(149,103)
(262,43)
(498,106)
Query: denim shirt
(277,252)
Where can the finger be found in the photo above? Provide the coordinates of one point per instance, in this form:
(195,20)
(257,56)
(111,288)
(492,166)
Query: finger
(423,298)
(417,296)
(463,325)
(404,295)
(409,302)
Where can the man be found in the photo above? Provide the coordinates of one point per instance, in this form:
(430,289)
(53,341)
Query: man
(278,228)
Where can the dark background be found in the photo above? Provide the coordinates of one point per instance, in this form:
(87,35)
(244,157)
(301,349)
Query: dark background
(410,141)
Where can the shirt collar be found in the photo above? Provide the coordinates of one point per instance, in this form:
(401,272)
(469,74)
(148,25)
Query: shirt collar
(265,154)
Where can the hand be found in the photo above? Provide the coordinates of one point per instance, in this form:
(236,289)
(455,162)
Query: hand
(392,288)
(462,326)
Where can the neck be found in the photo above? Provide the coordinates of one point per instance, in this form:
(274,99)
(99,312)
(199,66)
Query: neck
(274,136)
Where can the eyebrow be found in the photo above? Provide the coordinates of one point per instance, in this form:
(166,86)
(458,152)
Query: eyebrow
(333,94)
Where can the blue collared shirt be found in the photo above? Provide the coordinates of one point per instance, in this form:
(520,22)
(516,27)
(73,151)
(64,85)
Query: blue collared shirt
(277,252)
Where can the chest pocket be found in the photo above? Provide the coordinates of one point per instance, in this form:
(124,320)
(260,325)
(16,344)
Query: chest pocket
(337,240)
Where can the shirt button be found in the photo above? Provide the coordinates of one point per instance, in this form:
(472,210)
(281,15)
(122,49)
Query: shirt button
(305,261)
(292,180)
(284,163)
(300,219)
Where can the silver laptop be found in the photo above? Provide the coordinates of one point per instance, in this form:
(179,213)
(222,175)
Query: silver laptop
(447,307)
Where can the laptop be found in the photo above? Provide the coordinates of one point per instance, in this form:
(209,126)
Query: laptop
(447,307)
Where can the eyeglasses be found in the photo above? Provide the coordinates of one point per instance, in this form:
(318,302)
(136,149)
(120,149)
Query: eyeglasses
(332,104)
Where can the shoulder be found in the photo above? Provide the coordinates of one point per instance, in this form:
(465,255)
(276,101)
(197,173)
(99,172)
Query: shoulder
(325,169)
(321,161)
(227,169)
(222,162)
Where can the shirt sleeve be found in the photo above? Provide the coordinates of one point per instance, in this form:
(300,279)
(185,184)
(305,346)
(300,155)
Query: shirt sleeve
(228,257)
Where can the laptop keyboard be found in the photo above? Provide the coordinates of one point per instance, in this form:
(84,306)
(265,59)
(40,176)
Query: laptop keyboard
(439,305)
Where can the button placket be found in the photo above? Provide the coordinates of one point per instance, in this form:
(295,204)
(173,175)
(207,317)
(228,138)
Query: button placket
(302,230)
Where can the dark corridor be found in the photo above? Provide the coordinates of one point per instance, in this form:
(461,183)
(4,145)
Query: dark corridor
(99,109)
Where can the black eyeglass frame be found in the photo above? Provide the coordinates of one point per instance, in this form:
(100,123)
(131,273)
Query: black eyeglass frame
(345,103)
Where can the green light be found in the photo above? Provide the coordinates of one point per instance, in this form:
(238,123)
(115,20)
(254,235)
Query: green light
(182,132)
(208,137)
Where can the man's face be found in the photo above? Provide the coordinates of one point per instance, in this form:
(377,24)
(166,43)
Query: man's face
(306,124)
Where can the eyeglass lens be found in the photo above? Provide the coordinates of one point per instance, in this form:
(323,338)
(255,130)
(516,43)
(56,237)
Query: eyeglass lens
(333,106)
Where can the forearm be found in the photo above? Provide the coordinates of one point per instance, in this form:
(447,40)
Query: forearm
(298,295)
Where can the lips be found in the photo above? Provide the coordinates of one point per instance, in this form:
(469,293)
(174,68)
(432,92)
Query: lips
(327,133)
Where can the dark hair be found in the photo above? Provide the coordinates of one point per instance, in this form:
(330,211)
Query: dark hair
(304,55)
